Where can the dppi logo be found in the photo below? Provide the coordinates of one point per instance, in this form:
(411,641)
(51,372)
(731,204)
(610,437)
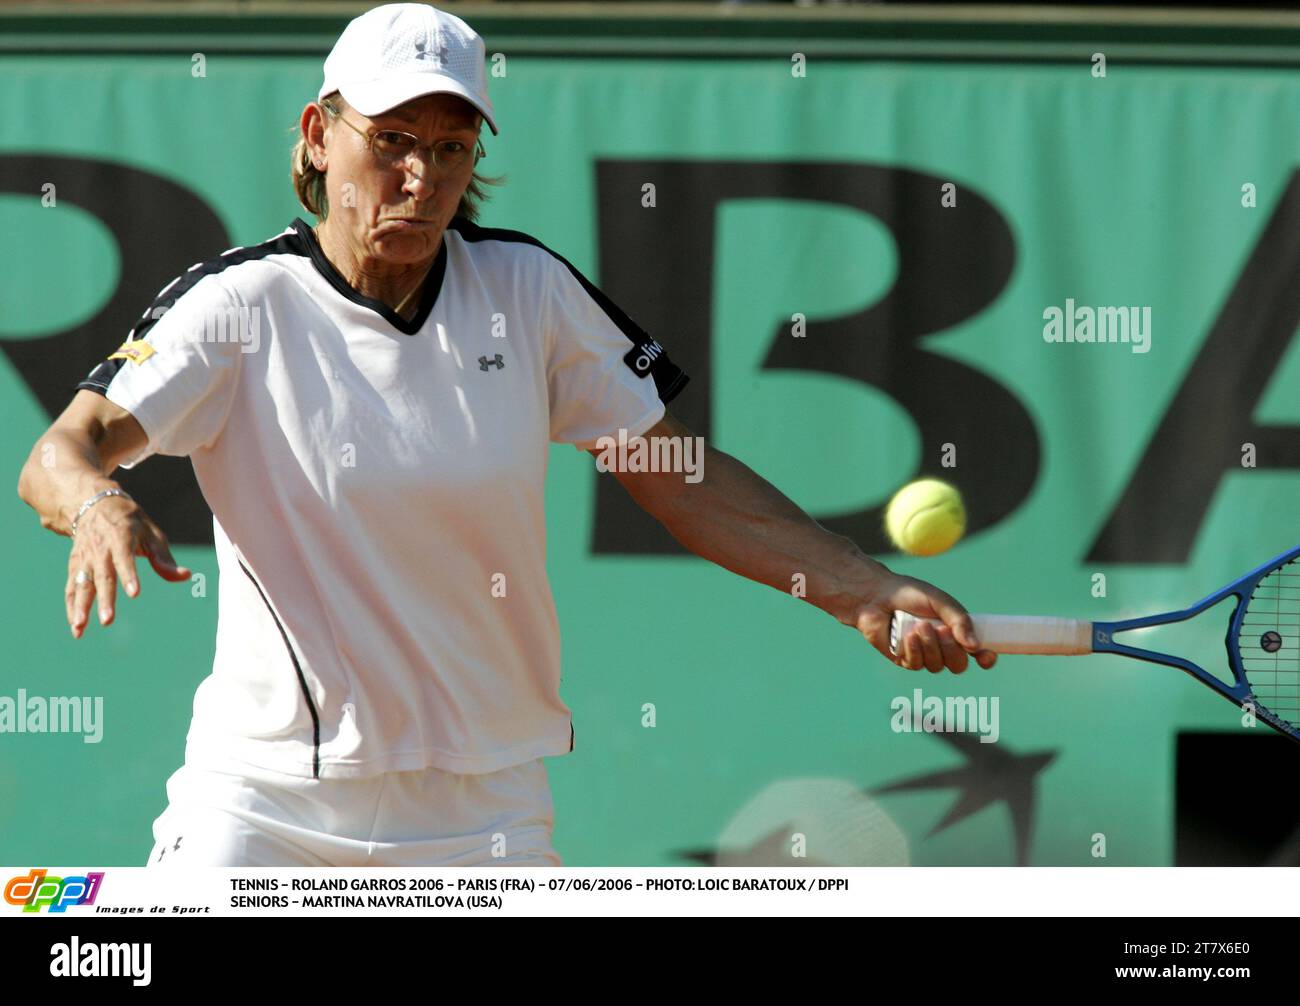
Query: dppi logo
(36,891)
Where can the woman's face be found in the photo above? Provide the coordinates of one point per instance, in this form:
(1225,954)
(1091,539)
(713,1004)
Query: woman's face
(393,213)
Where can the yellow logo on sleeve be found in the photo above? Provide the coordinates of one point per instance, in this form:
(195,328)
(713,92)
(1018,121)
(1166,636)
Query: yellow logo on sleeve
(137,352)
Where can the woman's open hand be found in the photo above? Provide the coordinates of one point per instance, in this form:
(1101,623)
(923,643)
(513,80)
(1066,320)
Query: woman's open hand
(109,537)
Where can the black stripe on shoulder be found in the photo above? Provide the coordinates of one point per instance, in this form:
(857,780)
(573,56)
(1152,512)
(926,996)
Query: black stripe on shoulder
(287,242)
(645,357)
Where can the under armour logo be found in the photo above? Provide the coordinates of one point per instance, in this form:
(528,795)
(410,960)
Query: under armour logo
(495,361)
(421,52)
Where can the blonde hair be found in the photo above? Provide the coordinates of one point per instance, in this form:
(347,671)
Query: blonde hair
(309,180)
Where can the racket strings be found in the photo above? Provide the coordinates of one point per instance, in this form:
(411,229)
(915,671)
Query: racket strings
(1269,642)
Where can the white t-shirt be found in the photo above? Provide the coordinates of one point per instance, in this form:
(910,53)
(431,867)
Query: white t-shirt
(377,492)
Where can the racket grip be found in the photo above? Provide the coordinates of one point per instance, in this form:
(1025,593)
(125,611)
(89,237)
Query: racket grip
(1013,633)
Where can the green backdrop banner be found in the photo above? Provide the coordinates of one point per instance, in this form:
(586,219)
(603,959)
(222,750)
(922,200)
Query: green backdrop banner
(926,219)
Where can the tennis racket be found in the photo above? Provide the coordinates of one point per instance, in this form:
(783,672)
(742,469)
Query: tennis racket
(1263,640)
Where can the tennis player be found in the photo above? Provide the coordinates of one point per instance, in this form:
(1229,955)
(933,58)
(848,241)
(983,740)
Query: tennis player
(368,403)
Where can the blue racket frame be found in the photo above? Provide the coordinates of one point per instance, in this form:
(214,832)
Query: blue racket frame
(1103,641)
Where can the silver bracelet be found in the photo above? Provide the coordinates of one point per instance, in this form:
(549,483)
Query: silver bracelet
(91,502)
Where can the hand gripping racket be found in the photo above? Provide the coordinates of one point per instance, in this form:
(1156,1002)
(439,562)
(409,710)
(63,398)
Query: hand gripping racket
(1263,640)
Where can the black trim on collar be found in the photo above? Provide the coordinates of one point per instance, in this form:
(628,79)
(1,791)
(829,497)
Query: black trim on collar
(432,282)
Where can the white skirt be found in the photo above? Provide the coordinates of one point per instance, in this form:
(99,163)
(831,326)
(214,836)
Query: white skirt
(424,818)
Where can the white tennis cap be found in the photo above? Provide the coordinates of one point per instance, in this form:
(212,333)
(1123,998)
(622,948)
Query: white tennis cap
(400,51)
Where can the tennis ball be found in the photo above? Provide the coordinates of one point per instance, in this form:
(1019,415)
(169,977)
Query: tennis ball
(925,517)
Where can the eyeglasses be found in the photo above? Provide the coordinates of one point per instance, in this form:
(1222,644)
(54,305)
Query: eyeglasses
(392,146)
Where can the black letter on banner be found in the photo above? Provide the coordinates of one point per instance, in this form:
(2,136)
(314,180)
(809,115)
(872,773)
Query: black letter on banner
(657,264)
(1212,415)
(161,230)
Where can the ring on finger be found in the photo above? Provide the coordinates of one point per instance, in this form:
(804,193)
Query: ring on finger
(83,576)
